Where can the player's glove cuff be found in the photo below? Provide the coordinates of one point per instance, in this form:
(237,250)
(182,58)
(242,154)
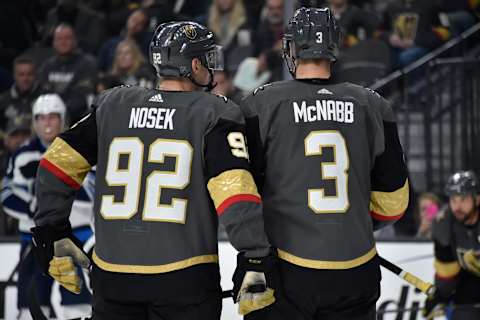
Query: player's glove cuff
(43,240)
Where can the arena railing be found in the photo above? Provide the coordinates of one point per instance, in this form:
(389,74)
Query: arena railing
(437,101)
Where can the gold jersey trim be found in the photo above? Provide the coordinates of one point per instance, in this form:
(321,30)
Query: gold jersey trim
(182,264)
(231,183)
(321,264)
(68,160)
(446,269)
(390,203)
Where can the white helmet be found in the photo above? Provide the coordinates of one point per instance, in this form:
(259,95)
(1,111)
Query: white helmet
(49,103)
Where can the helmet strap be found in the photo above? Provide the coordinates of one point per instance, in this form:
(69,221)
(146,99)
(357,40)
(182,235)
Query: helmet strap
(207,87)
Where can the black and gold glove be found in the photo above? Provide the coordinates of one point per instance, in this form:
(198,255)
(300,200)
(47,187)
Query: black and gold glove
(252,282)
(58,253)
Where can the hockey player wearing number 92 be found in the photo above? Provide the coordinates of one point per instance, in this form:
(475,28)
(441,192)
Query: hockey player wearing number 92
(171,162)
(330,169)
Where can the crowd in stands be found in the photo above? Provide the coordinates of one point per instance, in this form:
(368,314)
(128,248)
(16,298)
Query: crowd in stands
(77,49)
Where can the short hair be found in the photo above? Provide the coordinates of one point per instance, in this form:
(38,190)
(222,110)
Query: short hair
(23,59)
(65,25)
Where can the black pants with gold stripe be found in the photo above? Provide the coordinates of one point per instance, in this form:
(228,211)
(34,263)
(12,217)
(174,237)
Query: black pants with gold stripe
(311,294)
(188,294)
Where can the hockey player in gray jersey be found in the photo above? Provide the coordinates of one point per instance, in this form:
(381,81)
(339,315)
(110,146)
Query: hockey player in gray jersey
(330,168)
(456,236)
(170,163)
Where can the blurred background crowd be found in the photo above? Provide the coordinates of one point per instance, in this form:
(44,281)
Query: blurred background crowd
(77,49)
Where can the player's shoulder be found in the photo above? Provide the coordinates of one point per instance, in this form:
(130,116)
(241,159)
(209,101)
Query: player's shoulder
(272,90)
(119,93)
(360,93)
(219,105)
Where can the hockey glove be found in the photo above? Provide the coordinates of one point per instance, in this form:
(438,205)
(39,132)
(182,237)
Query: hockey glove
(251,282)
(58,253)
(434,306)
(472,261)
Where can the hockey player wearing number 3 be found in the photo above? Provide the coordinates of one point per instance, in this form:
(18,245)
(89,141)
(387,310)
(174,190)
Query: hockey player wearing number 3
(330,169)
(171,162)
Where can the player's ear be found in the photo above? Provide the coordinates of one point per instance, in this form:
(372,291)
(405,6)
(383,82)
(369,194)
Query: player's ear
(196,64)
(477,200)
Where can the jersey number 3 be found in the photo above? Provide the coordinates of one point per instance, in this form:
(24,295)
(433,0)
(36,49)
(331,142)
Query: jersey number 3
(130,179)
(335,170)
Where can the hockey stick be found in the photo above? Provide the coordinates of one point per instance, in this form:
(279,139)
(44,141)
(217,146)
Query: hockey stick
(418,283)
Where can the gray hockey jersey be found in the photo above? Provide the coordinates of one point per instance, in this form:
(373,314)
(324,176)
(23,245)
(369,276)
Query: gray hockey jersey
(330,167)
(168,163)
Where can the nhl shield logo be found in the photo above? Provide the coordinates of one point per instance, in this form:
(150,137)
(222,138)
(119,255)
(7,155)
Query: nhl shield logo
(190,32)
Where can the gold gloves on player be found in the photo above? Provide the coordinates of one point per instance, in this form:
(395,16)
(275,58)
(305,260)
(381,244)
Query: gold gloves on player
(472,261)
(248,300)
(63,268)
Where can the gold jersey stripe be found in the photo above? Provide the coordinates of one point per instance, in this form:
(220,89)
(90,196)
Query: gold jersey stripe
(323,264)
(68,160)
(446,269)
(231,183)
(182,264)
(390,203)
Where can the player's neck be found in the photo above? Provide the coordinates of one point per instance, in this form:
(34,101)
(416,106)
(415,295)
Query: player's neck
(176,85)
(313,70)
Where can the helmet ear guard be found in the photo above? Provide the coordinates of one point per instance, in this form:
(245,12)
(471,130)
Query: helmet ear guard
(289,53)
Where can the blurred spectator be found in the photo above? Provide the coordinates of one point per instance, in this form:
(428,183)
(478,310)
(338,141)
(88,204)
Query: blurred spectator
(116,13)
(130,68)
(225,19)
(16,104)
(228,21)
(225,87)
(268,40)
(251,74)
(135,29)
(15,32)
(356,24)
(18,200)
(412,28)
(428,207)
(270,30)
(254,10)
(158,11)
(191,10)
(12,140)
(69,73)
(459,15)
(88,25)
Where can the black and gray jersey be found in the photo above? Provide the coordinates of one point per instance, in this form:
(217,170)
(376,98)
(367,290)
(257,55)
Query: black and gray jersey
(452,239)
(168,165)
(330,167)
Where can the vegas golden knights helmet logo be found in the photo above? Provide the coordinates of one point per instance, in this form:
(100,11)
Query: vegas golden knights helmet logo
(190,32)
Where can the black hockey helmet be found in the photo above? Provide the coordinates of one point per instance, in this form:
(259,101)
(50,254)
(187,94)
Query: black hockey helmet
(175,44)
(312,33)
(462,183)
